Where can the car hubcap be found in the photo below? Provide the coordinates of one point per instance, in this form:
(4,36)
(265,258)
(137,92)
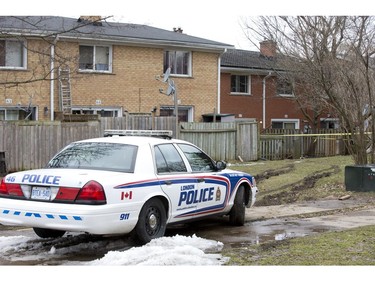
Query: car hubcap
(152,221)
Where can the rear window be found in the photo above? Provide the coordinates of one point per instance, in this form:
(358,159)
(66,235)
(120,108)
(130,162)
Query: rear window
(97,156)
(168,160)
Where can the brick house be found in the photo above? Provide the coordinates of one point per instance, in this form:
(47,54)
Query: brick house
(252,88)
(108,68)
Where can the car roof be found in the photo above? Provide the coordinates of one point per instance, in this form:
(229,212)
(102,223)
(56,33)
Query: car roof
(133,140)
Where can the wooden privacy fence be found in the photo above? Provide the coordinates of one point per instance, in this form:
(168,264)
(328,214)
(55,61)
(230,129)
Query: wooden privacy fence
(227,141)
(276,144)
(137,122)
(31,144)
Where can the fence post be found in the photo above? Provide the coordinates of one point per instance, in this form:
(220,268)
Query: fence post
(3,168)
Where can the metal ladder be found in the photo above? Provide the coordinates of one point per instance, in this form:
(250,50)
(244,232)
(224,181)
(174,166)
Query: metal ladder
(65,91)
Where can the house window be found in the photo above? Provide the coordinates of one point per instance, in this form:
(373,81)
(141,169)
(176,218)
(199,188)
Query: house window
(185,113)
(329,123)
(95,58)
(178,61)
(286,124)
(12,54)
(103,112)
(17,113)
(240,84)
(284,87)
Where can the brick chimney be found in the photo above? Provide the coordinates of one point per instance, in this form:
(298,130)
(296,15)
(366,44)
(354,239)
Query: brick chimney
(268,48)
(178,30)
(95,20)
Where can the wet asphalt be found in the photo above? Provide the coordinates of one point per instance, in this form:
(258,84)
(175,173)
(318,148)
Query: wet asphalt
(263,223)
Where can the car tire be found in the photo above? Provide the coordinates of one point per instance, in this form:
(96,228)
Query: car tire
(151,222)
(48,233)
(237,213)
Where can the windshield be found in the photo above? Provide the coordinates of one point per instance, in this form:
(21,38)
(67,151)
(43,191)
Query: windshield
(97,156)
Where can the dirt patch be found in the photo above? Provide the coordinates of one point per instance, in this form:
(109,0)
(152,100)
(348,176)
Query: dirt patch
(291,193)
(274,172)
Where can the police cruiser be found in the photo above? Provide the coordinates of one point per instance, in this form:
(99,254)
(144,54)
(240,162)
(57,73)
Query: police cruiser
(128,182)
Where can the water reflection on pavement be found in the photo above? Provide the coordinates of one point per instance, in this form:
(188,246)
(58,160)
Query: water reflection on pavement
(263,224)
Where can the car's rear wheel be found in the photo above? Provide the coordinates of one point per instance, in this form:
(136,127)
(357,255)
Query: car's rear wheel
(237,214)
(48,233)
(151,222)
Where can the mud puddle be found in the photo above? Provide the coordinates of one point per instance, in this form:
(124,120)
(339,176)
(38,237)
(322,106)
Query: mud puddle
(255,232)
(82,247)
(276,223)
(263,224)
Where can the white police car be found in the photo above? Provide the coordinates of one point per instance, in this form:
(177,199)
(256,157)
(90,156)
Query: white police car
(124,184)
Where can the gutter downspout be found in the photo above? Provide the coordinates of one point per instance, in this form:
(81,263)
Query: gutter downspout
(218,81)
(52,82)
(264,99)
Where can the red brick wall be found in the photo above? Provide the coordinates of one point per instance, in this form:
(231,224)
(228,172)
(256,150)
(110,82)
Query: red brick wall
(251,106)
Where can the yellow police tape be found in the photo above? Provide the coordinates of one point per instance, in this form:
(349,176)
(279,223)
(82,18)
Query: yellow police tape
(312,135)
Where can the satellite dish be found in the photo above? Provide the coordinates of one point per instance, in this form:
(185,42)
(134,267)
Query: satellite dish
(171,88)
(166,74)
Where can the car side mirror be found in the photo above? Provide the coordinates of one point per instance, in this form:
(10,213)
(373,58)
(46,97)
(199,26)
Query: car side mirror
(221,165)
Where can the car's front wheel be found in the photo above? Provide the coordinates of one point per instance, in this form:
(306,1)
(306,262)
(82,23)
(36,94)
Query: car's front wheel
(48,233)
(237,214)
(151,222)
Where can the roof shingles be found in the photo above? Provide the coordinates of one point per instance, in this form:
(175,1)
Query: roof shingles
(70,27)
(235,58)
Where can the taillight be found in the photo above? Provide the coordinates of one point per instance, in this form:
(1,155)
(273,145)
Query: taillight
(66,194)
(3,188)
(10,189)
(92,193)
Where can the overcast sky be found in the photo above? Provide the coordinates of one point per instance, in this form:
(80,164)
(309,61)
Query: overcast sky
(217,20)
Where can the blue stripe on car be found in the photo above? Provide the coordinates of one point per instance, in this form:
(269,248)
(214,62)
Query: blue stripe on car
(154,182)
(39,215)
(231,181)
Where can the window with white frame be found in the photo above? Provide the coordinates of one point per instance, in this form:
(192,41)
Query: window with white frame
(18,113)
(95,58)
(12,54)
(286,124)
(329,123)
(240,84)
(284,87)
(178,61)
(103,112)
(185,113)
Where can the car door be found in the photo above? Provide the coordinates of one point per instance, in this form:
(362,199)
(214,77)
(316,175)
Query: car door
(212,189)
(176,182)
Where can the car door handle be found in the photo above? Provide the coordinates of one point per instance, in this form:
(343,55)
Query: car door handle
(168,182)
(200,180)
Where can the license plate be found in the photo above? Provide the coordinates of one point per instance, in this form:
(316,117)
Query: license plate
(41,193)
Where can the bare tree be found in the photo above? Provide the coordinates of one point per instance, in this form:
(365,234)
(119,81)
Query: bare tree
(330,59)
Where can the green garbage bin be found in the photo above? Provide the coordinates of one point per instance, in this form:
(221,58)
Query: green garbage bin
(360,177)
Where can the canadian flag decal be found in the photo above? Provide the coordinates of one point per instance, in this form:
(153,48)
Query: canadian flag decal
(126,195)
